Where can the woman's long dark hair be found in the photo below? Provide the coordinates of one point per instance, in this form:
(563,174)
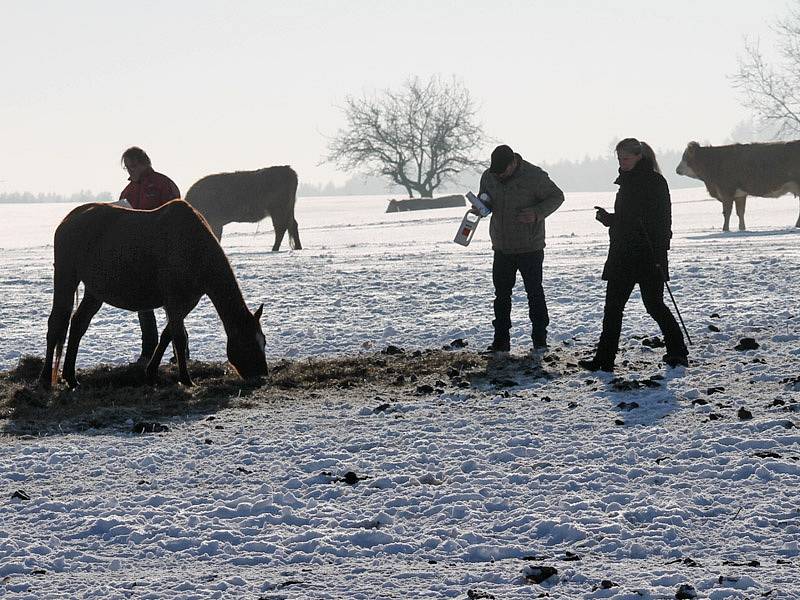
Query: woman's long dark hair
(637,148)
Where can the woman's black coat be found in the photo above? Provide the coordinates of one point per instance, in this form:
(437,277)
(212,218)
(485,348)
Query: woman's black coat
(642,207)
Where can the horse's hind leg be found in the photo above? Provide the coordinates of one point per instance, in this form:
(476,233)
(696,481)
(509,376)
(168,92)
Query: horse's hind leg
(64,286)
(180,341)
(78,325)
(294,236)
(158,354)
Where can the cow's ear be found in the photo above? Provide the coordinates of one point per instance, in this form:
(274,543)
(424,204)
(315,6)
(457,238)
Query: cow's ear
(694,145)
(257,314)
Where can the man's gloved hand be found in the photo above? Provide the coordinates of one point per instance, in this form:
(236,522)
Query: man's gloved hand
(605,217)
(529,215)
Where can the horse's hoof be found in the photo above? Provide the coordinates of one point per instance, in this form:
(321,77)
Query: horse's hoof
(186,382)
(73,384)
(44,383)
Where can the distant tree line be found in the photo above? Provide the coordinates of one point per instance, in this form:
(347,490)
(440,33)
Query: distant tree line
(598,174)
(81,197)
(591,174)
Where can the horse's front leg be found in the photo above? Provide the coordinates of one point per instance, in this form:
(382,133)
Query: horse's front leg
(152,366)
(180,342)
(78,325)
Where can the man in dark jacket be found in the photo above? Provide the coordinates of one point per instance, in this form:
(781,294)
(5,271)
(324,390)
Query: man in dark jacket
(147,190)
(521,196)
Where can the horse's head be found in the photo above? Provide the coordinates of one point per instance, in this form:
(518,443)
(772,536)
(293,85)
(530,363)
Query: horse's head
(246,349)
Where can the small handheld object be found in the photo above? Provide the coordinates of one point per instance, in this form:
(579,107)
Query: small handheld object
(478,203)
(467,228)
(471,219)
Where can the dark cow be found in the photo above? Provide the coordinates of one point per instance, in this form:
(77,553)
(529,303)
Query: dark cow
(248,197)
(732,173)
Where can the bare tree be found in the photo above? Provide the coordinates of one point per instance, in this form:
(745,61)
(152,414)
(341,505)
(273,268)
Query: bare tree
(418,136)
(773,91)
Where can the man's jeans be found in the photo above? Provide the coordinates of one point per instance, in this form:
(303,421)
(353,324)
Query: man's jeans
(504,276)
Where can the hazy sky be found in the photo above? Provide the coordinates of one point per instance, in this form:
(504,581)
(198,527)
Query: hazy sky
(206,87)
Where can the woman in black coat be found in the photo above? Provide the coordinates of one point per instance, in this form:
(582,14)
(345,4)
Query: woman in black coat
(640,232)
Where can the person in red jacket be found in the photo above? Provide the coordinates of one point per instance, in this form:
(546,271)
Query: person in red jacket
(147,190)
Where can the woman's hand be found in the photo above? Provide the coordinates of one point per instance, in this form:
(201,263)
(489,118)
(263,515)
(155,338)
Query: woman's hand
(604,216)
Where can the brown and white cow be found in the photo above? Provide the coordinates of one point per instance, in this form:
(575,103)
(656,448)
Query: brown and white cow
(732,173)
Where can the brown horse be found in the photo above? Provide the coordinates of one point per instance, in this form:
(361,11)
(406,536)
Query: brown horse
(144,259)
(248,197)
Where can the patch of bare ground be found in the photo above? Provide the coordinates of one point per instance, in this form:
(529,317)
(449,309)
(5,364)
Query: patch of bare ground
(110,396)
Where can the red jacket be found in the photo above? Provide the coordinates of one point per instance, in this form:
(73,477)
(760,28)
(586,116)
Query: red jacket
(151,191)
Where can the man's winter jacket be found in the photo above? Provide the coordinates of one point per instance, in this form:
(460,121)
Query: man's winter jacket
(528,187)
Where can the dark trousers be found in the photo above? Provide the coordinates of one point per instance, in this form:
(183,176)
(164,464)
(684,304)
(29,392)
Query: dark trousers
(147,321)
(504,276)
(617,294)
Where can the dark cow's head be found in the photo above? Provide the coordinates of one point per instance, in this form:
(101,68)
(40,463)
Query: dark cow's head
(686,166)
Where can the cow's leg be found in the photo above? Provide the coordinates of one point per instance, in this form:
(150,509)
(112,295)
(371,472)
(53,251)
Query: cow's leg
(279,223)
(727,208)
(294,236)
(798,218)
(77,327)
(740,204)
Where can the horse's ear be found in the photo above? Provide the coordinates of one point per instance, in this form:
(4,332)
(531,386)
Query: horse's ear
(257,314)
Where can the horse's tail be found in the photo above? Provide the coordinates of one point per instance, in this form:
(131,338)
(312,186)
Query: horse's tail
(56,364)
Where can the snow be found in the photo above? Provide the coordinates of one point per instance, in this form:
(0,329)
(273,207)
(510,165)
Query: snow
(468,492)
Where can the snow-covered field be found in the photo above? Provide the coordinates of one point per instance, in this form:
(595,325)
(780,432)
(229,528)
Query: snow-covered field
(646,484)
